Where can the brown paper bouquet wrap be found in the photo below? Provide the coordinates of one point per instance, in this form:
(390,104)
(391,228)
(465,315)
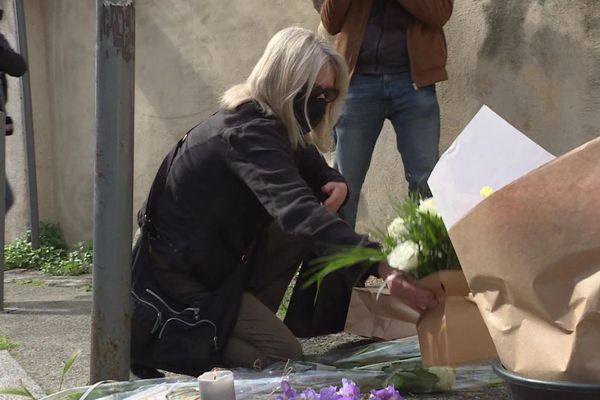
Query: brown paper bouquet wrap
(453,333)
(531,256)
(379,316)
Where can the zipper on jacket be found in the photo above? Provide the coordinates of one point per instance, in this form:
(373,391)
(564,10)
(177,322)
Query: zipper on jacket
(414,85)
(158,320)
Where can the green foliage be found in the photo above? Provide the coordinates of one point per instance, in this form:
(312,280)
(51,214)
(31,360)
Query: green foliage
(416,221)
(51,235)
(17,391)
(436,252)
(341,257)
(22,390)
(53,257)
(6,344)
(67,365)
(418,379)
(29,282)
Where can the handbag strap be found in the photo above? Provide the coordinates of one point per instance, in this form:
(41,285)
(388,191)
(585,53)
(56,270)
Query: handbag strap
(141,249)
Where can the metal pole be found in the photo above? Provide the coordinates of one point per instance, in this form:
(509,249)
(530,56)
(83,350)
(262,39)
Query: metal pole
(113,195)
(28,130)
(2,196)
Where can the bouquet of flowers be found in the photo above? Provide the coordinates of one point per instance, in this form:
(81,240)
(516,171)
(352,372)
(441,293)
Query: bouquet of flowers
(415,241)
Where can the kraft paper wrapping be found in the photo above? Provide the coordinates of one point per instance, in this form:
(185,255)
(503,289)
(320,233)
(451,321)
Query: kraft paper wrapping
(531,255)
(385,318)
(453,333)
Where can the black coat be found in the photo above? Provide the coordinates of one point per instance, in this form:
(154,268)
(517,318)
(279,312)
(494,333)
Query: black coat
(11,63)
(234,175)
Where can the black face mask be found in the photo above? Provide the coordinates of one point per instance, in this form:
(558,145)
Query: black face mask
(315,110)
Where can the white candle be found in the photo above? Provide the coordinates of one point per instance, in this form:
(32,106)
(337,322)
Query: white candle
(216,385)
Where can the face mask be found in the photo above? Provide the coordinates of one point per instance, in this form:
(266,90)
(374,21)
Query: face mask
(315,110)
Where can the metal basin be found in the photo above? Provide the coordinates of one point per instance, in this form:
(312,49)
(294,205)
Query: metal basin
(521,388)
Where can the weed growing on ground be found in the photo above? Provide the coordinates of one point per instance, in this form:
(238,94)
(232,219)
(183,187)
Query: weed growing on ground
(6,344)
(53,257)
(22,390)
(29,282)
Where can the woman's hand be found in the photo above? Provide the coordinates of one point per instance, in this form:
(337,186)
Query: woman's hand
(400,286)
(336,194)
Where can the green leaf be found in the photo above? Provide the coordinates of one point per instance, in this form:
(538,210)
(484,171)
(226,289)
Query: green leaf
(6,343)
(18,391)
(68,364)
(342,257)
(417,379)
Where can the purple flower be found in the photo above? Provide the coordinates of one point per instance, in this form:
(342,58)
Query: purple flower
(389,393)
(288,392)
(329,393)
(309,394)
(349,389)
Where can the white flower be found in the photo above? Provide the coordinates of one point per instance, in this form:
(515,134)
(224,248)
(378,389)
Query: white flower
(397,229)
(405,256)
(446,376)
(428,206)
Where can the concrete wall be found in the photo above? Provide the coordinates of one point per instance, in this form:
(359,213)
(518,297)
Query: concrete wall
(17,219)
(533,61)
(15,161)
(187,54)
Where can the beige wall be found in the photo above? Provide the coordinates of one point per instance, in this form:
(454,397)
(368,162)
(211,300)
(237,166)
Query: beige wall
(187,54)
(15,161)
(17,220)
(536,62)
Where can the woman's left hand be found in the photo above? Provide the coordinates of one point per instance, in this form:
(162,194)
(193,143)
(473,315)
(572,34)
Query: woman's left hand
(336,194)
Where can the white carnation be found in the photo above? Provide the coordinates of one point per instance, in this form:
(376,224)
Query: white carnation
(428,206)
(405,256)
(397,229)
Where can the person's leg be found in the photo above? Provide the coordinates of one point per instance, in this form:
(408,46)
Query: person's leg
(415,115)
(277,257)
(310,313)
(259,338)
(356,134)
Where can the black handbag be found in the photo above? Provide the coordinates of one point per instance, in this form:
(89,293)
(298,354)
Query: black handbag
(167,333)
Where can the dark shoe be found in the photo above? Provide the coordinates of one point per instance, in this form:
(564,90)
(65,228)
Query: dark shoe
(143,372)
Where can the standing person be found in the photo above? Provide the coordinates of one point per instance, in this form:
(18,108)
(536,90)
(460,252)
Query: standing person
(14,64)
(231,212)
(396,52)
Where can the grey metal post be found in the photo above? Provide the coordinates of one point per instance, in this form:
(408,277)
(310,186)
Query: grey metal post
(28,130)
(113,195)
(2,197)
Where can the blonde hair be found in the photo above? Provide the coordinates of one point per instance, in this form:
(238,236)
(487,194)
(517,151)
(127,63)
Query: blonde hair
(289,65)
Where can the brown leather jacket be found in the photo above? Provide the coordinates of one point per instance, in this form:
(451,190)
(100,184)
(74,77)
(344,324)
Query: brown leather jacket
(347,19)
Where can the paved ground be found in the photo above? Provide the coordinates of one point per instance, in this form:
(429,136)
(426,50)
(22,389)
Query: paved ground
(49,318)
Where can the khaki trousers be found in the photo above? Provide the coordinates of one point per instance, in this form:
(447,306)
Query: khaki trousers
(259,337)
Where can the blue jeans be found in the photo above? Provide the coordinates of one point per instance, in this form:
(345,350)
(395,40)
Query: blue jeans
(415,116)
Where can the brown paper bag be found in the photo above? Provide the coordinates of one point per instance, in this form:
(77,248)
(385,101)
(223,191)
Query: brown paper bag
(453,333)
(385,318)
(531,255)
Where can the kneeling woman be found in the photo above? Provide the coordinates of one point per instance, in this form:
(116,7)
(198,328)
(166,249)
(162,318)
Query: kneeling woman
(234,208)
